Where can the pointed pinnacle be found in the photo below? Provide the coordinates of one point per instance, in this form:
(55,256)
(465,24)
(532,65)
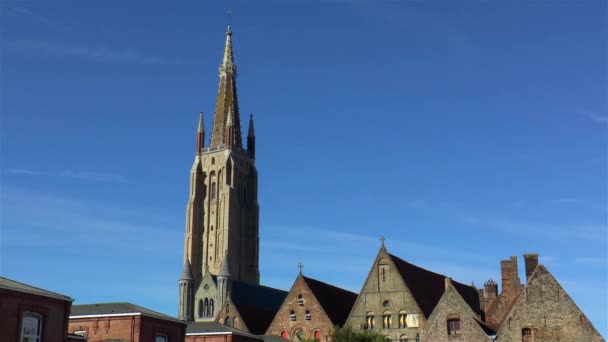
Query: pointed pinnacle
(251,131)
(201,124)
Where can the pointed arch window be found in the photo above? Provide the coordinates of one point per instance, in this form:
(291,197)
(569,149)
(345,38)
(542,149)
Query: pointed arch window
(213,190)
(317,335)
(211,308)
(307,315)
(206,308)
(300,300)
(229,172)
(201,308)
(292,316)
(369,320)
(228,322)
(402,319)
(387,320)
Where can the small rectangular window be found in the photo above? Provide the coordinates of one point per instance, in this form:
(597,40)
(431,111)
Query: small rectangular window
(453,327)
(161,338)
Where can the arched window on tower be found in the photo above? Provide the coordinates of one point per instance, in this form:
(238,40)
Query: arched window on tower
(213,190)
(229,172)
(206,308)
(228,322)
(211,307)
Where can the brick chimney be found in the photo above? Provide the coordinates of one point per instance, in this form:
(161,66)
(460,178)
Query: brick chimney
(510,275)
(531,261)
(490,289)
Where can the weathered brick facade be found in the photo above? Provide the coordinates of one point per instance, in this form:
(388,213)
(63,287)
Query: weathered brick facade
(123,321)
(452,306)
(311,310)
(17,299)
(550,314)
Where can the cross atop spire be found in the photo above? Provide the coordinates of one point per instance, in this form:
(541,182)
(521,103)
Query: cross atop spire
(382,239)
(301,267)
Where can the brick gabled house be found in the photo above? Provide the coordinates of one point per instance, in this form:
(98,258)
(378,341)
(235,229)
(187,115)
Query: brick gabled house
(398,297)
(311,310)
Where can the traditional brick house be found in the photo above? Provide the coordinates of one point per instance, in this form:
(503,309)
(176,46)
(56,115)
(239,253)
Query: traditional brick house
(216,332)
(124,322)
(453,319)
(397,298)
(544,313)
(28,313)
(311,310)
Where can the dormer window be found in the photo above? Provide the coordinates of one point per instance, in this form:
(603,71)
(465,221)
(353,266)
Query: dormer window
(308,317)
(300,300)
(292,316)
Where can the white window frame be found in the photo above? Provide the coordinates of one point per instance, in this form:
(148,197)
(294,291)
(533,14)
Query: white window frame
(27,336)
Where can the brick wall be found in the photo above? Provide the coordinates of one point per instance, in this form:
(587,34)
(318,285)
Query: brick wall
(54,313)
(129,328)
(318,318)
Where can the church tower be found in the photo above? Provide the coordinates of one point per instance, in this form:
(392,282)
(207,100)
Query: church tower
(222,214)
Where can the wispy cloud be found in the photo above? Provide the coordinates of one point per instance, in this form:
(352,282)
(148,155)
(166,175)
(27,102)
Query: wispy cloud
(586,231)
(594,261)
(583,203)
(98,52)
(594,116)
(81,175)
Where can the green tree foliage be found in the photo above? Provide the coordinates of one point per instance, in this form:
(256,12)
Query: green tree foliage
(347,334)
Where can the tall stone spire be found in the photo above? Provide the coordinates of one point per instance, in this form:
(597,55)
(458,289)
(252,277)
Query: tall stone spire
(226,99)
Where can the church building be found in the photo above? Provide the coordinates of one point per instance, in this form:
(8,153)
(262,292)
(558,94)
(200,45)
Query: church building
(221,244)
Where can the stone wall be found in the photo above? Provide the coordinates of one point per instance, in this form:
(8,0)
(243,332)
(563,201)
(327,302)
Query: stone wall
(546,309)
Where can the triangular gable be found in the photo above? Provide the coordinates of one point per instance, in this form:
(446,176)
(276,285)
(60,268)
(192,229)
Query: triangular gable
(230,310)
(452,305)
(371,281)
(546,309)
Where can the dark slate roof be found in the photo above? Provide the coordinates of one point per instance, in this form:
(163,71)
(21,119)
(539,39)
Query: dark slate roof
(427,287)
(336,302)
(101,309)
(13,285)
(214,327)
(257,304)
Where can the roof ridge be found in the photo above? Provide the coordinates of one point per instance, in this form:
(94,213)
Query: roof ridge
(37,288)
(328,284)
(429,271)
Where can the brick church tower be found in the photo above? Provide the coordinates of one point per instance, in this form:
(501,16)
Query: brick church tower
(222,214)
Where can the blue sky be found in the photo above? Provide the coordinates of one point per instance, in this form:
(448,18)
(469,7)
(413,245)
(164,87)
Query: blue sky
(464,133)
